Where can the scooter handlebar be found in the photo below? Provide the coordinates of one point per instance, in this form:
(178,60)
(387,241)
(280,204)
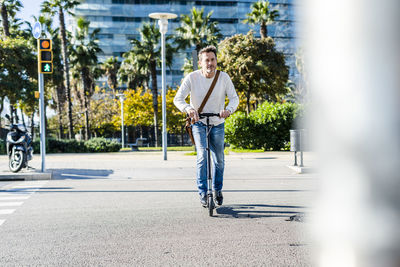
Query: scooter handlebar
(204,115)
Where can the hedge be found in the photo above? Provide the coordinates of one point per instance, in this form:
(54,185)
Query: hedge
(266,128)
(72,146)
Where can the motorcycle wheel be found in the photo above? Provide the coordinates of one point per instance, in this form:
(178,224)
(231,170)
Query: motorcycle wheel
(16,163)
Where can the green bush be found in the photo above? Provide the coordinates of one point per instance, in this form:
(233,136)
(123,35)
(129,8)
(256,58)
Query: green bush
(73,146)
(265,128)
(60,146)
(101,144)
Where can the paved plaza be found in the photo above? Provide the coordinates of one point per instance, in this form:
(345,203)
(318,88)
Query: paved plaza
(135,209)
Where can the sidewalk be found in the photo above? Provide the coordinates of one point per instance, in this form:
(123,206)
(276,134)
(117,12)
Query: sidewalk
(129,164)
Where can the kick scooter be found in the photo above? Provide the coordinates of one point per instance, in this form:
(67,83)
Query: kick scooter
(210,198)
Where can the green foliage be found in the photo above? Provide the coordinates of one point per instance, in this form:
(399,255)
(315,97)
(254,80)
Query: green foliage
(256,68)
(267,127)
(102,145)
(18,69)
(73,146)
(261,14)
(111,67)
(197,30)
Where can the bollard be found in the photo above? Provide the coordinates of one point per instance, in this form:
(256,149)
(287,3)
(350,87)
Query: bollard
(295,145)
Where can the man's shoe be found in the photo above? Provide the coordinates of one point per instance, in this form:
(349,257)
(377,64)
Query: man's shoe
(218,198)
(203,199)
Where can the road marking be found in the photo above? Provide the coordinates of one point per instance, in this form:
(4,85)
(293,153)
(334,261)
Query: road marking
(10,204)
(14,198)
(21,191)
(7,211)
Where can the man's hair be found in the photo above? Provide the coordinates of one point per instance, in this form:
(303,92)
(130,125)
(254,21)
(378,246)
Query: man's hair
(208,49)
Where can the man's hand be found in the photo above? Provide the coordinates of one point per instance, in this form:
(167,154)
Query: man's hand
(224,114)
(193,114)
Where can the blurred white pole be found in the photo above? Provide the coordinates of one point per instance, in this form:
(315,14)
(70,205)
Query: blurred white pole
(353,54)
(163,24)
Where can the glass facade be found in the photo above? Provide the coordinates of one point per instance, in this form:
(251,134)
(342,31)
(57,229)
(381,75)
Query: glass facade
(119,21)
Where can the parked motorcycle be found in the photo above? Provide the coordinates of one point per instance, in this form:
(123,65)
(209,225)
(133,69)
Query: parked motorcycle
(19,147)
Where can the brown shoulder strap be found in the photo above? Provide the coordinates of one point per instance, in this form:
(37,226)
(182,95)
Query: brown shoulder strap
(209,92)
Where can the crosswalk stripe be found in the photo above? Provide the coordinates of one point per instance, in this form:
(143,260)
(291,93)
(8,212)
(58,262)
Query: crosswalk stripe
(7,211)
(14,198)
(2,221)
(9,193)
(10,204)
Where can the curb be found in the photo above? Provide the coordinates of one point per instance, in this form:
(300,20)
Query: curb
(26,176)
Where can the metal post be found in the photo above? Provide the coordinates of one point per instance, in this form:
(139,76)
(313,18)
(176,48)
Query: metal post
(122,122)
(42,123)
(164,101)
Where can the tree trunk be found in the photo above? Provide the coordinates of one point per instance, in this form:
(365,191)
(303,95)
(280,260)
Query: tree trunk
(33,125)
(182,135)
(66,72)
(263,30)
(154,92)
(86,88)
(1,107)
(248,95)
(59,107)
(4,18)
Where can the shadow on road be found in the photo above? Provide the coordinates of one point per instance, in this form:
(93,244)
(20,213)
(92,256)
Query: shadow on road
(256,211)
(61,174)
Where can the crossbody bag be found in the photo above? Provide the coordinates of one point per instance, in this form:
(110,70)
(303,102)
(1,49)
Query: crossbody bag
(189,121)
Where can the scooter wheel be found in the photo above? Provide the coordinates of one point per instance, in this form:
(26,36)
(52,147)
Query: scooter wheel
(210,205)
(17,162)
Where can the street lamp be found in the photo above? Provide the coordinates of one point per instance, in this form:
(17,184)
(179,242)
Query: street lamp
(163,24)
(122,98)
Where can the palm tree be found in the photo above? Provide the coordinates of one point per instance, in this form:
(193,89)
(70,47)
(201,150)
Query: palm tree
(111,67)
(132,73)
(84,60)
(197,30)
(261,14)
(53,7)
(8,10)
(147,53)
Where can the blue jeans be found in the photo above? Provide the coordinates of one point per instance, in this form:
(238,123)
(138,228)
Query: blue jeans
(217,135)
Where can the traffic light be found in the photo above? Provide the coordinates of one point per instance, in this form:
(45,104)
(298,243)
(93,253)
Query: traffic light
(45,56)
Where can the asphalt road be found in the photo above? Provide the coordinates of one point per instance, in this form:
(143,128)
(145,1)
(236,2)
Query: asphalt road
(134,209)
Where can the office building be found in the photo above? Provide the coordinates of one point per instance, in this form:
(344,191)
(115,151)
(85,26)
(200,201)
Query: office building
(119,21)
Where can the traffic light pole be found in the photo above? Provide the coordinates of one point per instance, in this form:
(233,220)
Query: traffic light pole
(42,122)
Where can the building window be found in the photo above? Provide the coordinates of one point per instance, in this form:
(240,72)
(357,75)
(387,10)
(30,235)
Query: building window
(130,19)
(104,36)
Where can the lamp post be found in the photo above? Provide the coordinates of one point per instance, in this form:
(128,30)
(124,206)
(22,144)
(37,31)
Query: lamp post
(163,24)
(122,98)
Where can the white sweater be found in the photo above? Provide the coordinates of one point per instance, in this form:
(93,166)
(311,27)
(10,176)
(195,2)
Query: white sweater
(197,86)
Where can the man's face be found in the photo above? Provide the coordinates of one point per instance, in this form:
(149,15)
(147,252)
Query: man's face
(208,63)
